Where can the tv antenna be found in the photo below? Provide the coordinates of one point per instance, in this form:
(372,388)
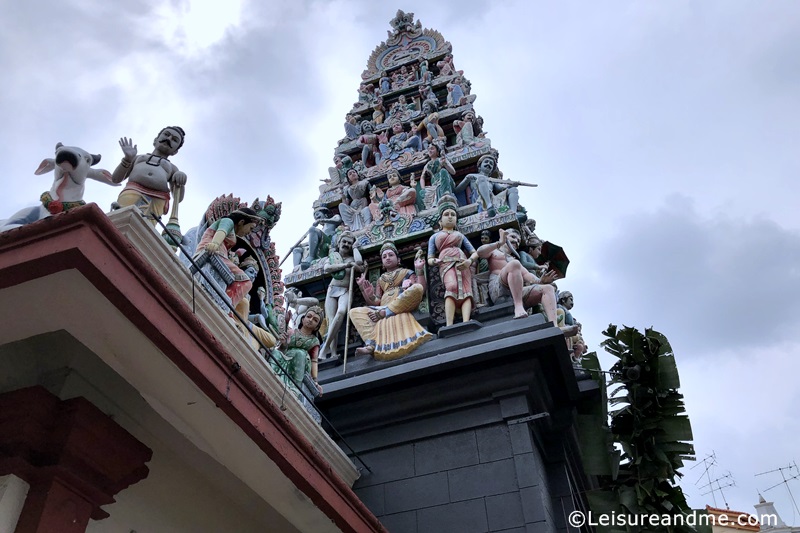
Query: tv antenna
(794,473)
(720,483)
(708,462)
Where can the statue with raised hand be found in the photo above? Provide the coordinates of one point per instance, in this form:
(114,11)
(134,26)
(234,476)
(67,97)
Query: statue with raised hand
(151,177)
(507,277)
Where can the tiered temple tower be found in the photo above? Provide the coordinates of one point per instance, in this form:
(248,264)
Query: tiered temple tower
(474,430)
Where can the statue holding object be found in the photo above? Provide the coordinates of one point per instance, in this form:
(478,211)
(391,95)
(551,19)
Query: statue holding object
(300,357)
(436,179)
(489,191)
(151,177)
(452,252)
(340,264)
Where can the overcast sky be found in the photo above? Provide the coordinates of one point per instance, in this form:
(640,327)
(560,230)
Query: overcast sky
(663,136)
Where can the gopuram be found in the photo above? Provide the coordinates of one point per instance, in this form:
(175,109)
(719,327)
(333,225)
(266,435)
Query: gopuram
(415,151)
(416,370)
(448,354)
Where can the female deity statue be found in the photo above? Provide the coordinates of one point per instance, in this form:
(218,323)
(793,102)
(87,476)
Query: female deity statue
(215,245)
(386,325)
(425,77)
(454,254)
(403,197)
(440,173)
(301,353)
(354,208)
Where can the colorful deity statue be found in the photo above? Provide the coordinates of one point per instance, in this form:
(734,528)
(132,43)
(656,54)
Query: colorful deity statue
(436,179)
(298,361)
(387,325)
(488,190)
(468,133)
(354,208)
(452,252)
(320,240)
(341,265)
(455,93)
(399,142)
(370,145)
(508,278)
(403,197)
(151,177)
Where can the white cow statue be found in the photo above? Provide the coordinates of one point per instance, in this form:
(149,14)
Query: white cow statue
(72,166)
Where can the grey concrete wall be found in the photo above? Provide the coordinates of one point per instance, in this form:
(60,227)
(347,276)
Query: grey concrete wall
(475,442)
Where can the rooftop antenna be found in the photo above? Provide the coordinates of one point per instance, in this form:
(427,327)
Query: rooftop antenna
(784,471)
(708,462)
(721,482)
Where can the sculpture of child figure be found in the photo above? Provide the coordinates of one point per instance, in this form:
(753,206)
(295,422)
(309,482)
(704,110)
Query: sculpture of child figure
(448,249)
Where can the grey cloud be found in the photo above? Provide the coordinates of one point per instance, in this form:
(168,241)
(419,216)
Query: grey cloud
(721,282)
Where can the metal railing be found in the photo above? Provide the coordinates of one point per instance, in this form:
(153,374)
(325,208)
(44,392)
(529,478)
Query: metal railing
(269,351)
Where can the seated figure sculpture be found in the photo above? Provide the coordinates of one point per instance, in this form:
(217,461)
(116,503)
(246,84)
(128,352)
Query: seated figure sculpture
(436,179)
(507,277)
(354,208)
(337,174)
(429,128)
(399,142)
(488,190)
(452,252)
(403,197)
(468,135)
(387,325)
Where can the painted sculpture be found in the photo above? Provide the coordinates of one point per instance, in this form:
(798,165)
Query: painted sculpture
(216,243)
(436,179)
(468,133)
(386,324)
(340,264)
(300,356)
(296,305)
(402,197)
(354,207)
(452,252)
(151,177)
(490,191)
(565,304)
(72,167)
(320,240)
(508,278)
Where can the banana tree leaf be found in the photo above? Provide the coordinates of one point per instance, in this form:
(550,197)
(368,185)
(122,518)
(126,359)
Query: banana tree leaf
(668,373)
(675,428)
